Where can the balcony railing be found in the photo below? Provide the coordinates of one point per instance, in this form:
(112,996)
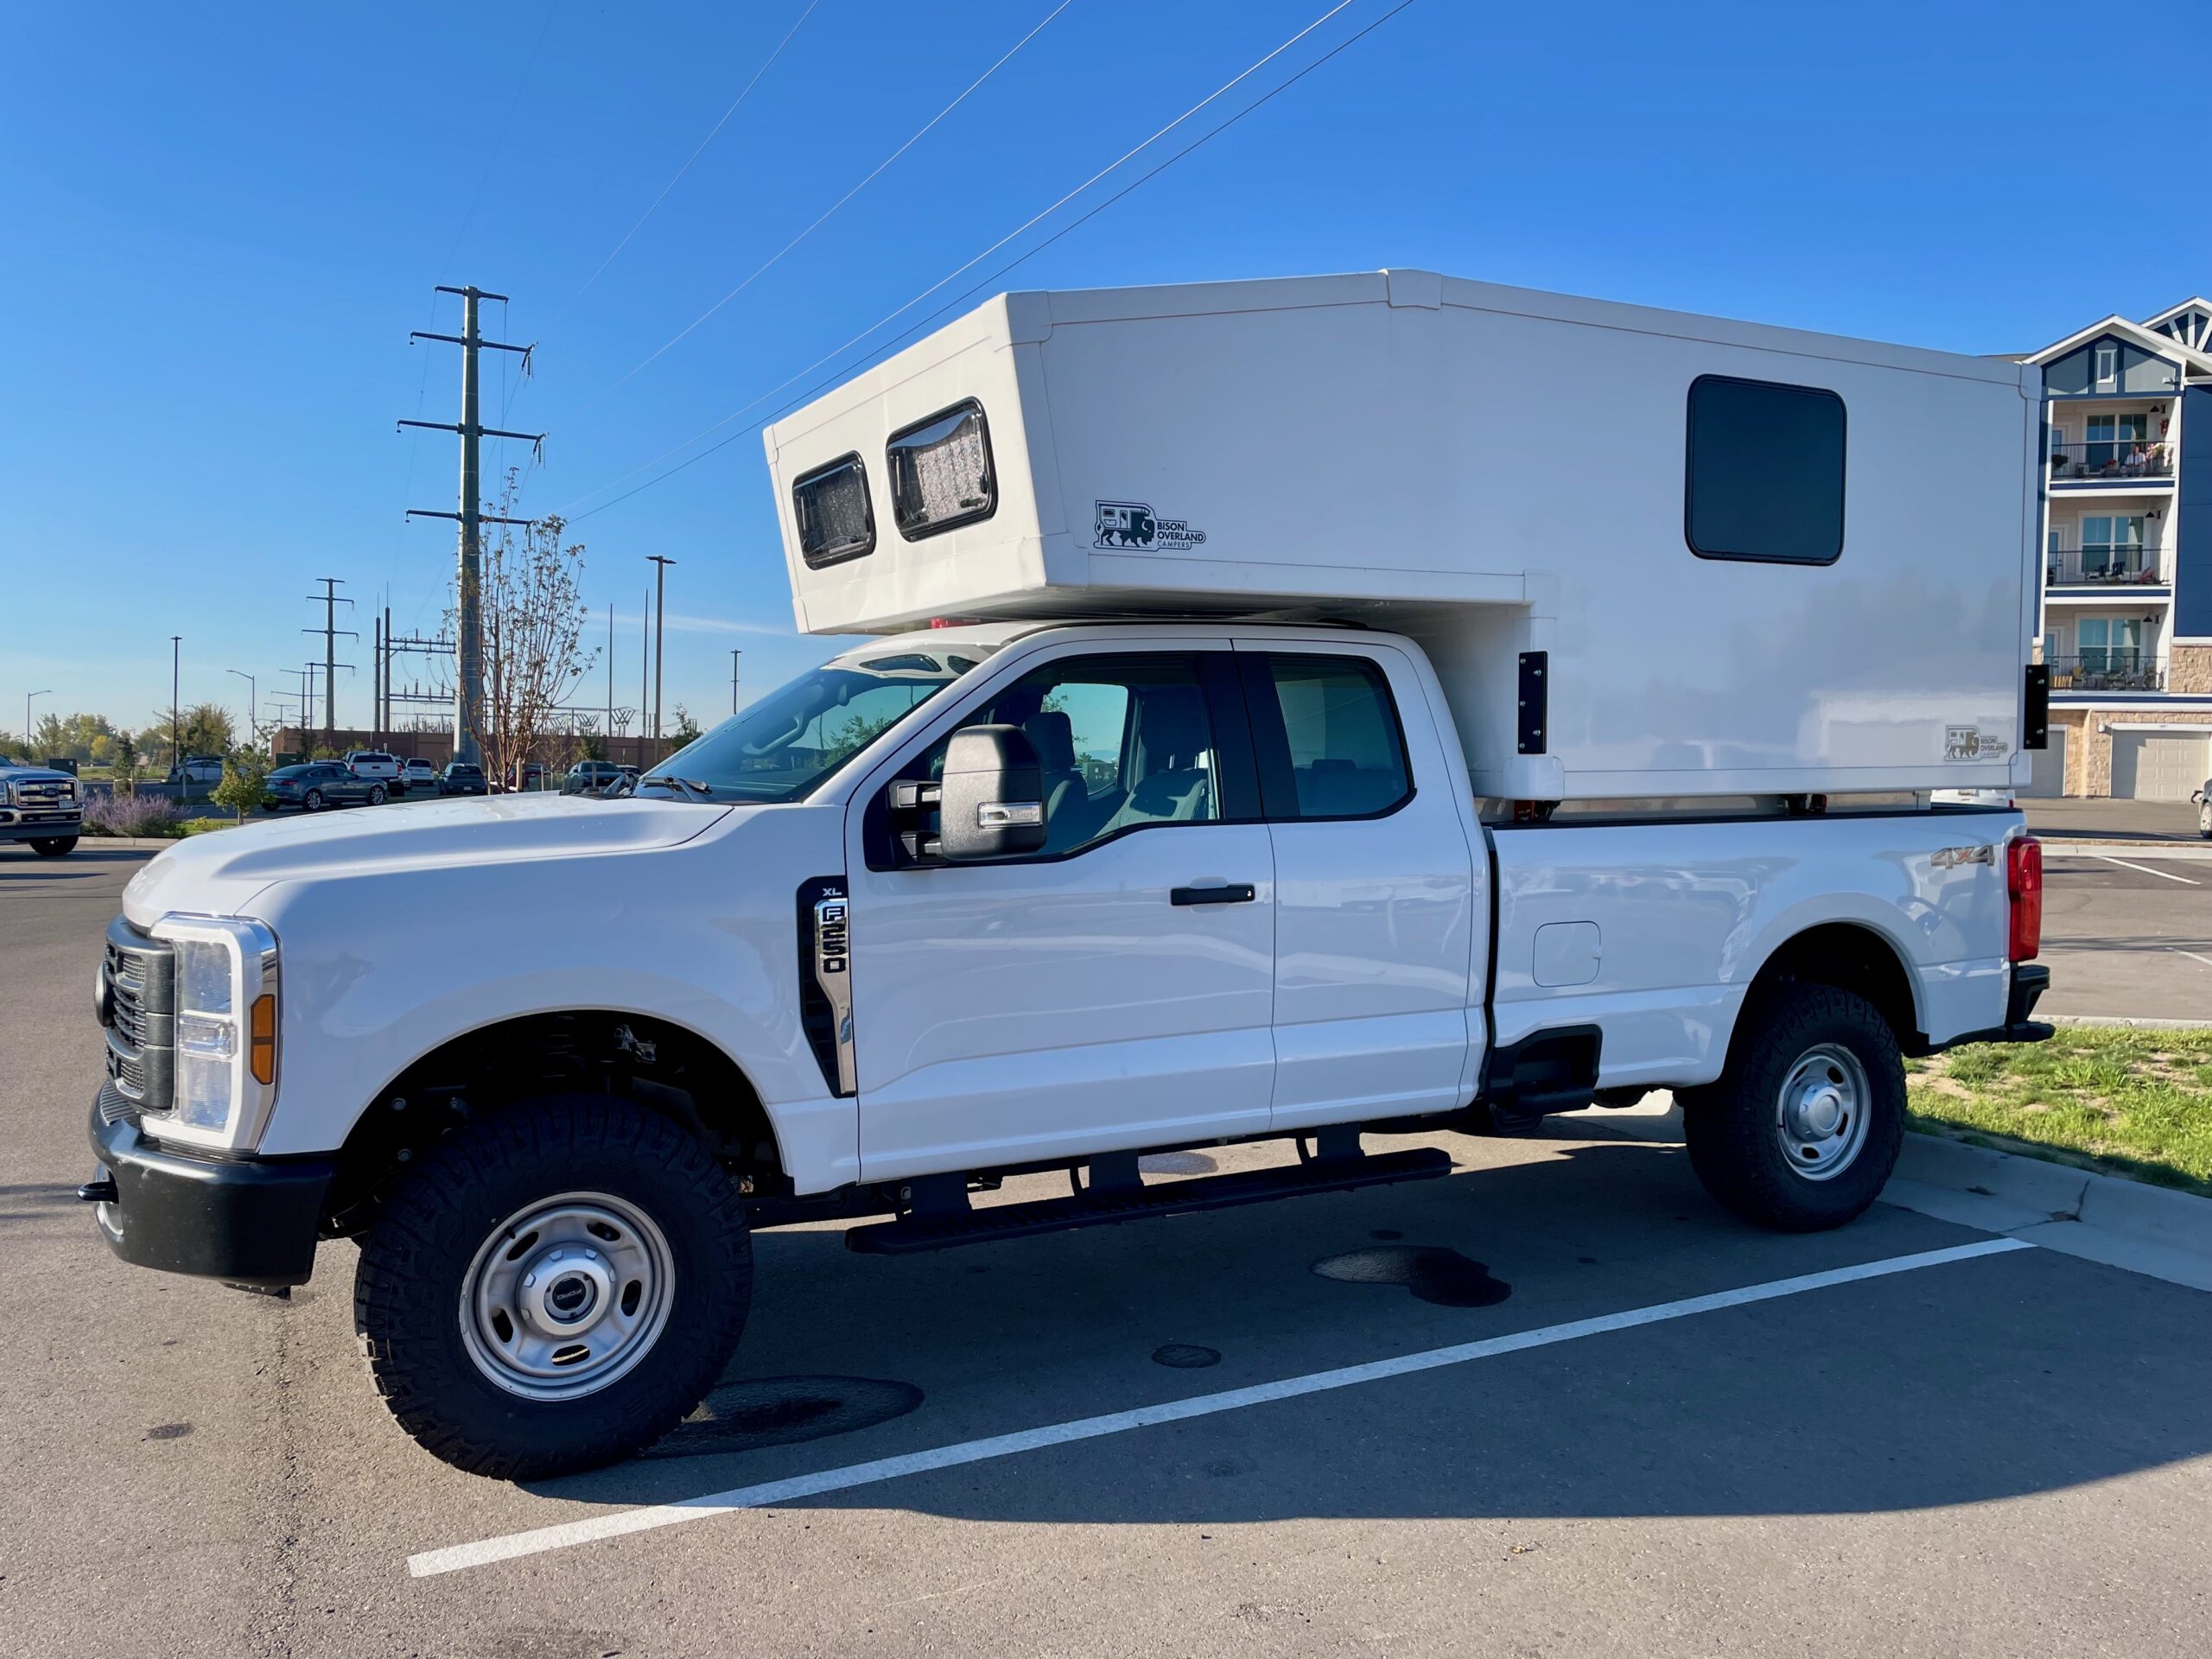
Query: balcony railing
(2102,567)
(2111,458)
(2111,670)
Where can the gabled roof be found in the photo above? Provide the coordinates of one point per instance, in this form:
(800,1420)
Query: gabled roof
(2135,334)
(2195,303)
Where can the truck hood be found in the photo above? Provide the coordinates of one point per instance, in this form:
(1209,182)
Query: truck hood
(220,873)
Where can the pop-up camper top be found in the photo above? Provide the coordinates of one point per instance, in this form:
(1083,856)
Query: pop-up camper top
(1652,555)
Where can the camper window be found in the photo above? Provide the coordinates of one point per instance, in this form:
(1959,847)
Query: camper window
(941,472)
(1765,471)
(835,522)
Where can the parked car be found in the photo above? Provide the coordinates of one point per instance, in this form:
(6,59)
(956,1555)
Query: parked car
(523,779)
(197,769)
(1022,892)
(378,765)
(2203,798)
(39,804)
(314,784)
(460,778)
(418,774)
(591,778)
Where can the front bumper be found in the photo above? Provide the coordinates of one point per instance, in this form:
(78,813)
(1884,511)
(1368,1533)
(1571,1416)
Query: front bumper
(244,1221)
(40,823)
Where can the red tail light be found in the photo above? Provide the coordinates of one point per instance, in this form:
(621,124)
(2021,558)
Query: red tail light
(2023,879)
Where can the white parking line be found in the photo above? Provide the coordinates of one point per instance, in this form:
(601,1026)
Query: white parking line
(621,1523)
(2191,954)
(2145,869)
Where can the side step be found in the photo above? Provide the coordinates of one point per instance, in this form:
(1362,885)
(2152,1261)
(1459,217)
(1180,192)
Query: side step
(938,1230)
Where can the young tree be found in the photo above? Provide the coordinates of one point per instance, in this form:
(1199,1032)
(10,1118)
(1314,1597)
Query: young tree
(243,772)
(530,601)
(126,764)
(687,729)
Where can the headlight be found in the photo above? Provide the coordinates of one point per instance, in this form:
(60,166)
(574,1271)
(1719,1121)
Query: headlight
(226,1075)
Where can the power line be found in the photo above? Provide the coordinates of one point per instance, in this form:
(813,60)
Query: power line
(874,174)
(1134,185)
(492,157)
(766,66)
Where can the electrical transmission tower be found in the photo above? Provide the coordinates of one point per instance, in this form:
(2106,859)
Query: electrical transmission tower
(330,630)
(468,680)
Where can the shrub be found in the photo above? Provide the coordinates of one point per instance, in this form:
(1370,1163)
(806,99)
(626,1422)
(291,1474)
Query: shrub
(130,815)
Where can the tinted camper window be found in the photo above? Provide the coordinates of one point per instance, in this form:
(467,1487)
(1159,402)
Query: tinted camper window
(835,522)
(1765,471)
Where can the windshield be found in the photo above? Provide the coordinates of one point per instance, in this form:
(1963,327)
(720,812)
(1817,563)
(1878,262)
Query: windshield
(791,739)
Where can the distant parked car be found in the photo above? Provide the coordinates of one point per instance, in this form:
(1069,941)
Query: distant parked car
(462,779)
(314,784)
(418,774)
(2203,799)
(591,778)
(522,779)
(376,764)
(198,769)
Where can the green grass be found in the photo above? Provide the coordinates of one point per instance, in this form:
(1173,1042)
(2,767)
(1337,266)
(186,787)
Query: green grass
(2106,1097)
(202,826)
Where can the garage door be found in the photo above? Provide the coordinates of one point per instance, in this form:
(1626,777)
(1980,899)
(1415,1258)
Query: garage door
(2049,779)
(2159,766)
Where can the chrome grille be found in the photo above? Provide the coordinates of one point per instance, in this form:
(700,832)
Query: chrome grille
(45,792)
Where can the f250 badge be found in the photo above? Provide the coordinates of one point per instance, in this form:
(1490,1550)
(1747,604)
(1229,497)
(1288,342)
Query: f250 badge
(1134,524)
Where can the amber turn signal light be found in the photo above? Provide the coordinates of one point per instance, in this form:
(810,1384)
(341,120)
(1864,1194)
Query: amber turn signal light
(261,1052)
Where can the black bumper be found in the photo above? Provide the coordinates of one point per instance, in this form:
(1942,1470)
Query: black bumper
(245,1222)
(2030,980)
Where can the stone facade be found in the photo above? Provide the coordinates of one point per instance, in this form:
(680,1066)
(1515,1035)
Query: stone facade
(2189,669)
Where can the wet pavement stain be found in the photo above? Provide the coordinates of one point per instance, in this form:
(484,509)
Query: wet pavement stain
(1431,1272)
(1186,1355)
(781,1410)
(168,1430)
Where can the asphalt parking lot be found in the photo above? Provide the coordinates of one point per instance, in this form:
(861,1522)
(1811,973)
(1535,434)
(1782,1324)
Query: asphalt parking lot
(2128,935)
(1556,1403)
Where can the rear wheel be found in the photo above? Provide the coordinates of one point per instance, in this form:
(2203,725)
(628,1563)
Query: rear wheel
(55,845)
(554,1286)
(376,795)
(1803,1126)
(313,802)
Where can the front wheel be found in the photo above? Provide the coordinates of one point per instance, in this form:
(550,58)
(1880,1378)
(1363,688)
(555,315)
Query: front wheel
(313,801)
(554,1287)
(55,845)
(1803,1126)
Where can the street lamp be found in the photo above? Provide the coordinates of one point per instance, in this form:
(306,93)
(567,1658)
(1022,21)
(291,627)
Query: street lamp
(176,737)
(253,705)
(27,720)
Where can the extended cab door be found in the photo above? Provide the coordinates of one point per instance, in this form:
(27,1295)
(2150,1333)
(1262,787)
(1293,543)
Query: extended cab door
(1380,907)
(1113,990)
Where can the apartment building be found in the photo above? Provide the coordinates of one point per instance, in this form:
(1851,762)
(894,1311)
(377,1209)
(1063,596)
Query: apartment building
(2127,539)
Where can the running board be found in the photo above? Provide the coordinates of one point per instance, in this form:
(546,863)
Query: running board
(940,1230)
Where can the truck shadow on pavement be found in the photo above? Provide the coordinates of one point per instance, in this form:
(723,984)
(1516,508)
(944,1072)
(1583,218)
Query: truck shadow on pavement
(1986,1379)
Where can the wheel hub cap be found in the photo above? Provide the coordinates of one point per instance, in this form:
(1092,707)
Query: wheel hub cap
(1821,1115)
(566,1296)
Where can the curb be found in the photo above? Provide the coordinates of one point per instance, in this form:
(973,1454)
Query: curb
(2184,852)
(2152,1231)
(2129,1021)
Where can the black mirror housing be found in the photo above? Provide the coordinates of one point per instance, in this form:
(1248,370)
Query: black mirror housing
(992,798)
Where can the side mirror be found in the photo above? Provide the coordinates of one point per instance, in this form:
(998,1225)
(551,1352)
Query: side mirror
(992,798)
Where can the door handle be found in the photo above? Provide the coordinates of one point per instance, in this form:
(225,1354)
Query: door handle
(1244,893)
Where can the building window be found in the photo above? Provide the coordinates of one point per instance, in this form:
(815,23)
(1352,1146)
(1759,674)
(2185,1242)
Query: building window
(1764,479)
(2108,366)
(2109,645)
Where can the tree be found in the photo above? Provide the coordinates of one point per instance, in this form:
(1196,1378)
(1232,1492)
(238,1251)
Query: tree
(126,764)
(529,599)
(687,730)
(77,736)
(243,772)
(204,729)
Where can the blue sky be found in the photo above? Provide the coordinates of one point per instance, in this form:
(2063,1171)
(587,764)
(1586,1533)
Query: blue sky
(220,227)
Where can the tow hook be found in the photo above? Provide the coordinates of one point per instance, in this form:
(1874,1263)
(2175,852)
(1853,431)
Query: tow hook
(100,1191)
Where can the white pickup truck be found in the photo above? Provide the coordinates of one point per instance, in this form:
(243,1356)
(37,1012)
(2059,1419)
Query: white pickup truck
(1046,891)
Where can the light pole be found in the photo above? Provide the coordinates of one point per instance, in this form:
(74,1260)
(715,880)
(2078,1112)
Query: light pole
(253,705)
(733,655)
(660,621)
(176,737)
(48,692)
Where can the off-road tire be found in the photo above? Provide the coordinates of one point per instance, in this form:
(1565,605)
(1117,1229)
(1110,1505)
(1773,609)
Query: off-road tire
(408,1286)
(55,845)
(1729,1124)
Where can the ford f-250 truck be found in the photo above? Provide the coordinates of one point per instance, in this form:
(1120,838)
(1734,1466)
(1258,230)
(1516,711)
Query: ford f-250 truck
(1103,874)
(39,805)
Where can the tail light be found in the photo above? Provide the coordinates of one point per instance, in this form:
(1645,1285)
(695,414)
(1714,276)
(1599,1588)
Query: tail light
(2023,881)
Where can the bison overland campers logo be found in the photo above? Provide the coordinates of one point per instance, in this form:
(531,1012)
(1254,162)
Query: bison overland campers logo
(1132,524)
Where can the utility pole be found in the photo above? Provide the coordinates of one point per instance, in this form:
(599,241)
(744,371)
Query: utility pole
(660,621)
(176,657)
(384,721)
(733,656)
(610,681)
(468,680)
(330,630)
(645,677)
(376,684)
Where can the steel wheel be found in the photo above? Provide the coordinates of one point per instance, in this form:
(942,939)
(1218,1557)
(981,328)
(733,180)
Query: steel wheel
(566,1296)
(1822,1112)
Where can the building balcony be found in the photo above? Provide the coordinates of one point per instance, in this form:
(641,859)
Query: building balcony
(2132,672)
(2102,567)
(2111,460)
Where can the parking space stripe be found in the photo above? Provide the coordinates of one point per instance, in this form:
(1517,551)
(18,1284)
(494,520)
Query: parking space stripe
(2145,869)
(621,1523)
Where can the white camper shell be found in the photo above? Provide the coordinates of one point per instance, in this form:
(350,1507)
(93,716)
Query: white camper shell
(1755,561)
